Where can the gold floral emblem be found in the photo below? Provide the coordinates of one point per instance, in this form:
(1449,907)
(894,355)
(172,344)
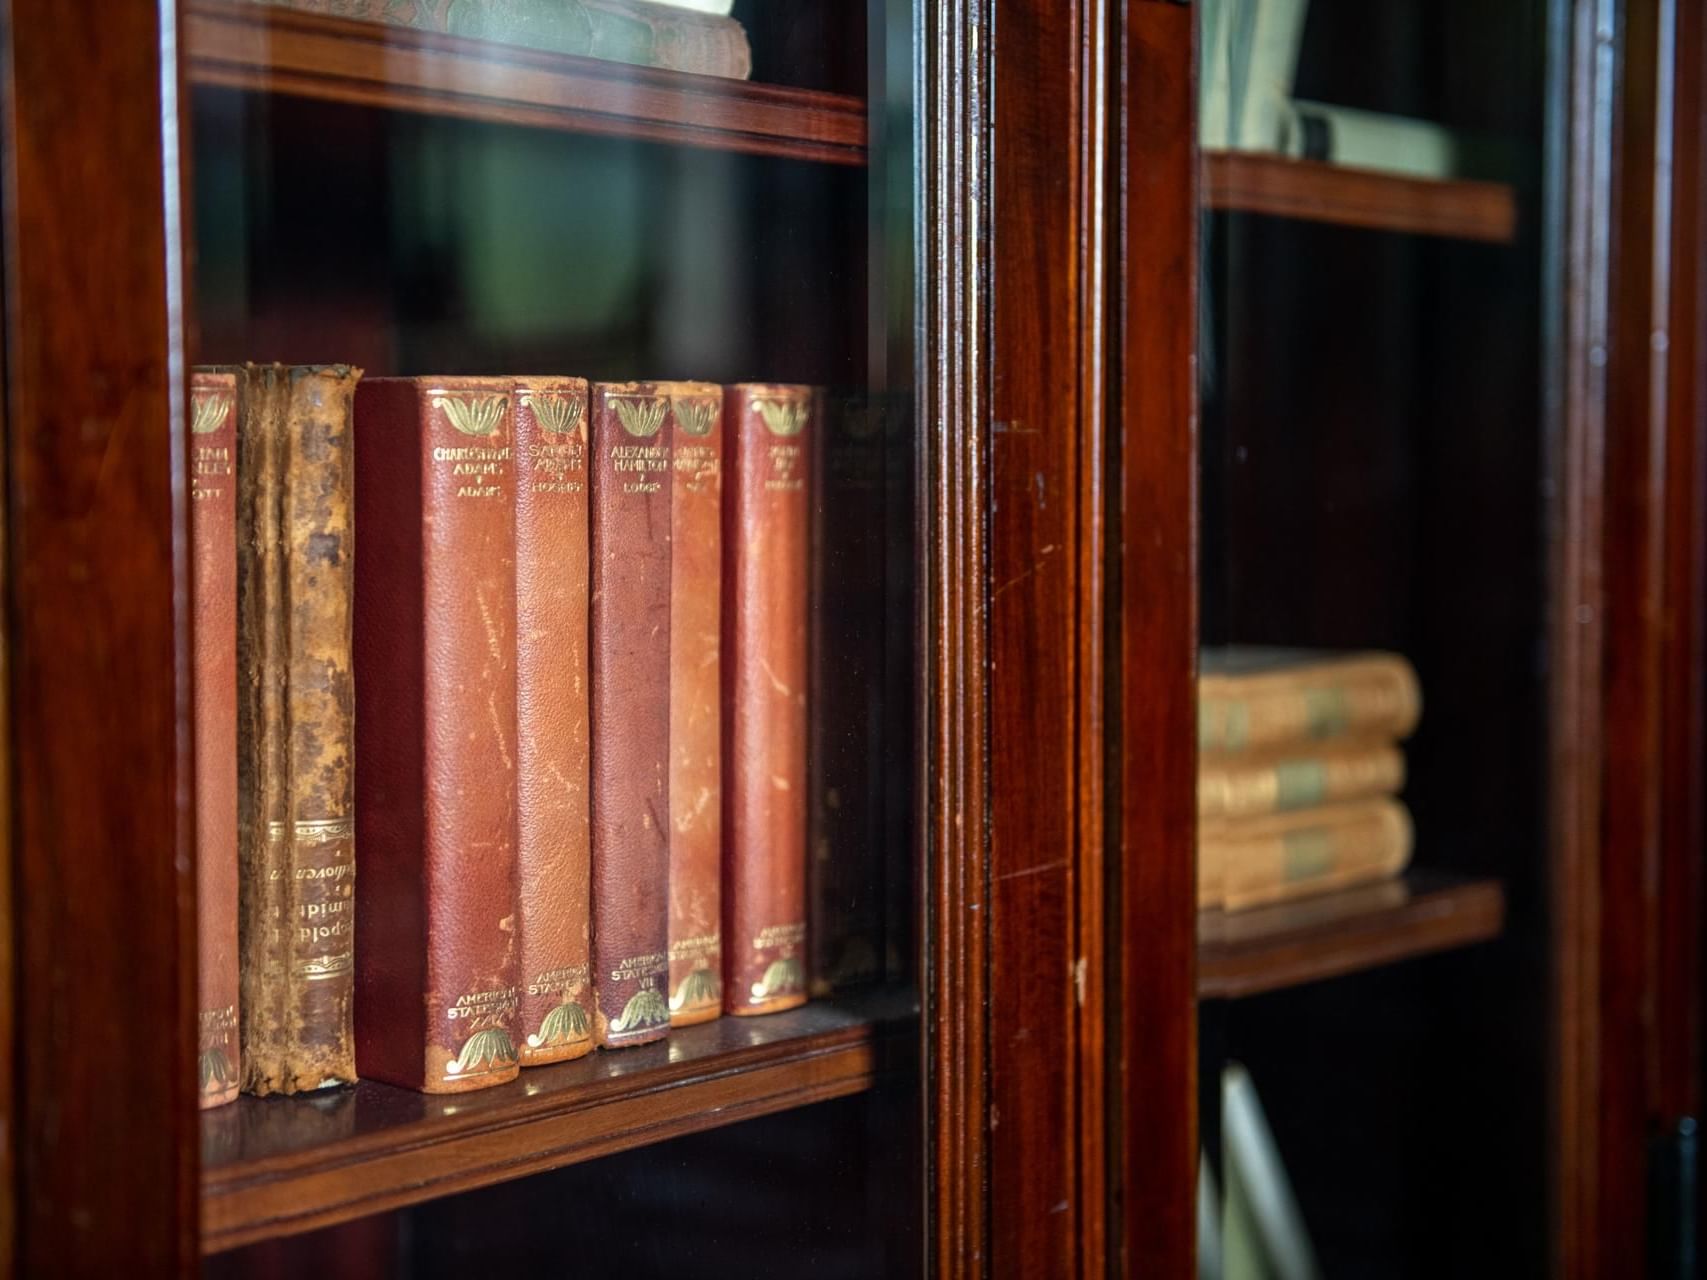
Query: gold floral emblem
(208,413)
(640,418)
(695,416)
(783,417)
(473,415)
(557,415)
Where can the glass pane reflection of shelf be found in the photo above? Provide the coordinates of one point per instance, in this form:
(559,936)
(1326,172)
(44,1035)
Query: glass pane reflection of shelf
(278,1166)
(240,44)
(1255,182)
(1249,952)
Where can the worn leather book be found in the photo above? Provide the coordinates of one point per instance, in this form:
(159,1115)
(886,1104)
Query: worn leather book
(295,711)
(846,752)
(667,36)
(436,958)
(765,554)
(629,471)
(213,550)
(553,909)
(1257,861)
(1252,700)
(1240,787)
(696,723)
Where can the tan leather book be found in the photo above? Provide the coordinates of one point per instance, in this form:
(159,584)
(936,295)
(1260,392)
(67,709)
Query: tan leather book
(553,726)
(765,553)
(295,725)
(1252,700)
(629,471)
(1258,861)
(436,958)
(696,724)
(213,581)
(1237,787)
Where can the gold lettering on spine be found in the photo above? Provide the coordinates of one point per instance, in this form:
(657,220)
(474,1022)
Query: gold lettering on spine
(322,863)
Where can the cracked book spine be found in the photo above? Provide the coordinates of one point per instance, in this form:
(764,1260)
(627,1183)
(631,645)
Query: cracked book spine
(553,911)
(437,964)
(630,648)
(771,432)
(696,747)
(295,722)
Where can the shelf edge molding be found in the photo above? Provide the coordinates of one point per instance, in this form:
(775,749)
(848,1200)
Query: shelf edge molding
(244,45)
(1351,931)
(385,1148)
(1311,191)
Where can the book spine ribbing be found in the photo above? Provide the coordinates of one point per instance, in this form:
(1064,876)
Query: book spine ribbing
(295,725)
(1275,859)
(553,921)
(1375,697)
(1298,780)
(766,551)
(630,478)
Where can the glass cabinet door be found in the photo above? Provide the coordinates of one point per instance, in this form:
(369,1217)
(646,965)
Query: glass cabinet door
(1376,480)
(629,193)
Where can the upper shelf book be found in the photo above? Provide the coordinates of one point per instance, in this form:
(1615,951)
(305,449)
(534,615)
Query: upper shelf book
(1257,182)
(243,45)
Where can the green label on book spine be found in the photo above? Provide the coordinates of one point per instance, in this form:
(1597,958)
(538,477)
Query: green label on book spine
(1308,853)
(1300,783)
(1326,712)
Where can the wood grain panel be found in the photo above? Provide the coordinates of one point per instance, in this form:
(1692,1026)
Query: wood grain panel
(1036,413)
(98,641)
(1154,700)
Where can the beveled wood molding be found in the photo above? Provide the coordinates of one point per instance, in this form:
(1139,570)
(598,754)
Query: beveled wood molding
(953,398)
(1153,697)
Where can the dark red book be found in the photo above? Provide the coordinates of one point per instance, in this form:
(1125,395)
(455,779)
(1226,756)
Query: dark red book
(696,729)
(629,642)
(213,549)
(553,907)
(765,557)
(436,957)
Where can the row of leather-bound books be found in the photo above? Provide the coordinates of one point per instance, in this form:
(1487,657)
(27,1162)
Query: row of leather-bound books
(529,655)
(1299,773)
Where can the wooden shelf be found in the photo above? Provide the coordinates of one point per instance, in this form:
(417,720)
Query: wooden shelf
(277,1166)
(1252,182)
(1249,952)
(239,44)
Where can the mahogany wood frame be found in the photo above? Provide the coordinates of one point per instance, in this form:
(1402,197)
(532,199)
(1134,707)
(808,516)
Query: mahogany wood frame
(97,643)
(1057,285)
(1630,570)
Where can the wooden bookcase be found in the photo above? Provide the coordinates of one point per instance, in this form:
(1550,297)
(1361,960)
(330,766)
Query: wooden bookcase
(1029,1104)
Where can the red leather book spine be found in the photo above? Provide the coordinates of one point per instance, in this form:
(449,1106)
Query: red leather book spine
(213,542)
(436,960)
(696,747)
(765,551)
(630,646)
(553,916)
